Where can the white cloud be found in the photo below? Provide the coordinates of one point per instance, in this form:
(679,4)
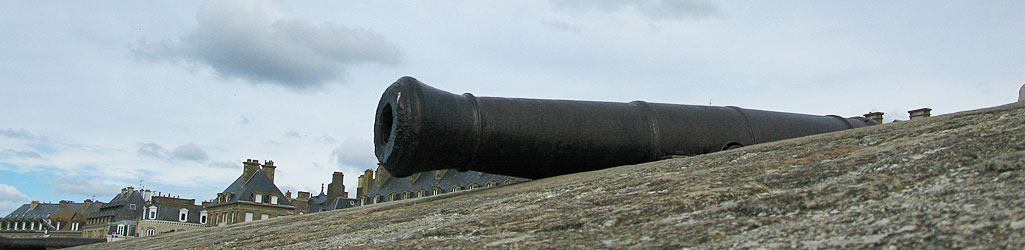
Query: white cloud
(151,150)
(22,153)
(355,152)
(10,199)
(656,9)
(189,152)
(87,187)
(17,134)
(252,40)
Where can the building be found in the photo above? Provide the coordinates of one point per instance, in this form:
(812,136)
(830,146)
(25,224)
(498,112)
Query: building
(335,198)
(164,214)
(383,187)
(117,218)
(45,219)
(253,196)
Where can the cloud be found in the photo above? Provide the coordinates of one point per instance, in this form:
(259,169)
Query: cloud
(251,40)
(22,154)
(246,120)
(87,187)
(355,152)
(327,139)
(151,150)
(11,199)
(226,165)
(189,152)
(17,134)
(293,134)
(656,9)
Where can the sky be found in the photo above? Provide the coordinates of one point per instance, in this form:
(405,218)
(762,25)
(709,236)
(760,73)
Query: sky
(174,96)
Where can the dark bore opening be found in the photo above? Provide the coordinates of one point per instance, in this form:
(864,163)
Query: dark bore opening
(384,124)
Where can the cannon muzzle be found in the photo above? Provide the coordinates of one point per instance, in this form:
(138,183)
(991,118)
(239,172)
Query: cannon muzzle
(420,128)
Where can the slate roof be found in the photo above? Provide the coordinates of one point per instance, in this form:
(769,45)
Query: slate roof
(241,190)
(67,210)
(427,181)
(318,203)
(341,203)
(42,210)
(119,207)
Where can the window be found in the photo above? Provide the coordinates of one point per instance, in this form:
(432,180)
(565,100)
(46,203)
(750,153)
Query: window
(510,181)
(489,184)
(353,203)
(436,191)
(421,193)
(183,214)
(391,196)
(249,216)
(120,229)
(274,199)
(456,188)
(202,217)
(258,198)
(58,228)
(472,186)
(131,206)
(150,232)
(405,195)
(74,226)
(264,216)
(153,212)
(33,226)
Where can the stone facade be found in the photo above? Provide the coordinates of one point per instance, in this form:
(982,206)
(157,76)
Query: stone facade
(253,196)
(166,214)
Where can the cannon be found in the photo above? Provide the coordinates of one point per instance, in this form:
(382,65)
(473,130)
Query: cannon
(420,128)
(46,242)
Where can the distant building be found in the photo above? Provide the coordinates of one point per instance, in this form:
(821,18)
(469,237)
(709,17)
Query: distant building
(253,196)
(164,214)
(45,219)
(383,187)
(335,198)
(117,218)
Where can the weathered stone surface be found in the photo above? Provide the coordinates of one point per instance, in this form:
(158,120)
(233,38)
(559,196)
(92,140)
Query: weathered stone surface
(951,181)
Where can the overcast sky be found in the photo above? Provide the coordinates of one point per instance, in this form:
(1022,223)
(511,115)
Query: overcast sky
(96,96)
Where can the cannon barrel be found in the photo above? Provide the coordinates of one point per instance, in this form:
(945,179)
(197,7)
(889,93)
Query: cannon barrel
(420,128)
(46,242)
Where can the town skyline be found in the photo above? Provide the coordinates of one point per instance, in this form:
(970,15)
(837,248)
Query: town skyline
(98,96)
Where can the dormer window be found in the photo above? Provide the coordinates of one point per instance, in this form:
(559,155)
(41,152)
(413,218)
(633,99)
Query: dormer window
(202,217)
(258,198)
(152,212)
(274,199)
(131,206)
(183,214)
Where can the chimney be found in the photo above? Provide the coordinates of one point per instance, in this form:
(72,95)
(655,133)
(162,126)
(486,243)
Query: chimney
(34,205)
(302,195)
(249,168)
(268,168)
(920,113)
(875,116)
(288,194)
(336,188)
(147,195)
